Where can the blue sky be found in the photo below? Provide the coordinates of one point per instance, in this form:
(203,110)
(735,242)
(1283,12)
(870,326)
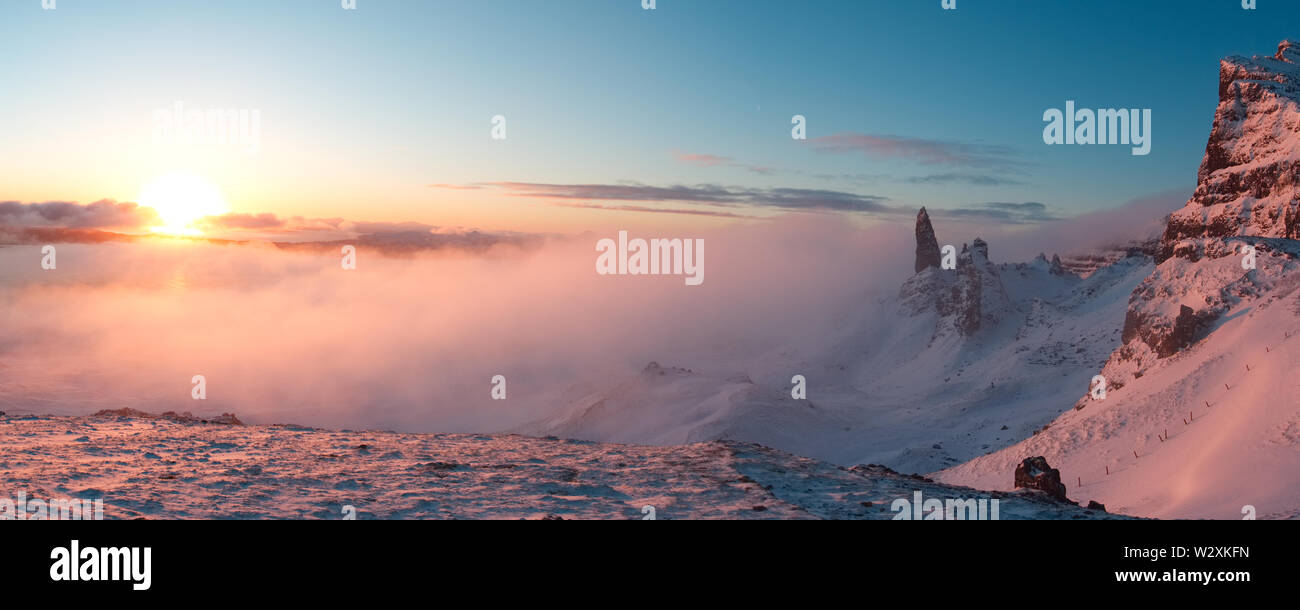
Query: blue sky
(364,109)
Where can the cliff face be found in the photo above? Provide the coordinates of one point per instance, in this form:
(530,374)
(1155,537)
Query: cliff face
(1247,196)
(1249,179)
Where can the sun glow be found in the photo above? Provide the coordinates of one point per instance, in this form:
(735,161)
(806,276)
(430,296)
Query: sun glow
(181,199)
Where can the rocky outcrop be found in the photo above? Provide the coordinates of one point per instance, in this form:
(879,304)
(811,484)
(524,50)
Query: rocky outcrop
(1249,179)
(966,298)
(1247,194)
(1163,337)
(927,245)
(126,412)
(1035,473)
(955,294)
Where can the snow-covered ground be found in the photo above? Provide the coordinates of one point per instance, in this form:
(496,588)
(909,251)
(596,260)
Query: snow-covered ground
(1233,431)
(160,468)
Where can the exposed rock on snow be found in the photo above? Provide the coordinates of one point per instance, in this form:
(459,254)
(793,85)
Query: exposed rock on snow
(1035,473)
(1247,195)
(966,298)
(1248,180)
(927,245)
(228,419)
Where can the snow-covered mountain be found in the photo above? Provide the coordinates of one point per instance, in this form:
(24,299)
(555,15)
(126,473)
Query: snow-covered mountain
(983,362)
(961,362)
(1202,413)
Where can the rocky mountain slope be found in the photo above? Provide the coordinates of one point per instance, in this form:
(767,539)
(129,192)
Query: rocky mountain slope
(1202,409)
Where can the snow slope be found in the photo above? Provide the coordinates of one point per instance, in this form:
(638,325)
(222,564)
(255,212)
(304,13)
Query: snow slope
(164,468)
(1233,433)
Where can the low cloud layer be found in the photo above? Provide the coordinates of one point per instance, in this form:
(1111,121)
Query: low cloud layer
(283,334)
(411,343)
(1019,231)
(104,214)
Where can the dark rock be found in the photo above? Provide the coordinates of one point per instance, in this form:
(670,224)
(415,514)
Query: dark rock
(1035,473)
(1095,505)
(927,245)
(1166,337)
(1184,332)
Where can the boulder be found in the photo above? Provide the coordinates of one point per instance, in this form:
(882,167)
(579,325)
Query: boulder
(1035,473)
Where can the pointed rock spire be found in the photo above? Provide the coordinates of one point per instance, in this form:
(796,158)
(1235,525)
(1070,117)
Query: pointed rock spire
(927,245)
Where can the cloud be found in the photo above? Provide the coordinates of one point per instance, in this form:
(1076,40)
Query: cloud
(407,243)
(958,178)
(70,223)
(103,214)
(707,194)
(1013,213)
(706,160)
(703,160)
(926,152)
(656,210)
(243,221)
(1019,231)
(276,226)
(284,335)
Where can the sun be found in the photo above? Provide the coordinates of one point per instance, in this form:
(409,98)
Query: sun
(180,198)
